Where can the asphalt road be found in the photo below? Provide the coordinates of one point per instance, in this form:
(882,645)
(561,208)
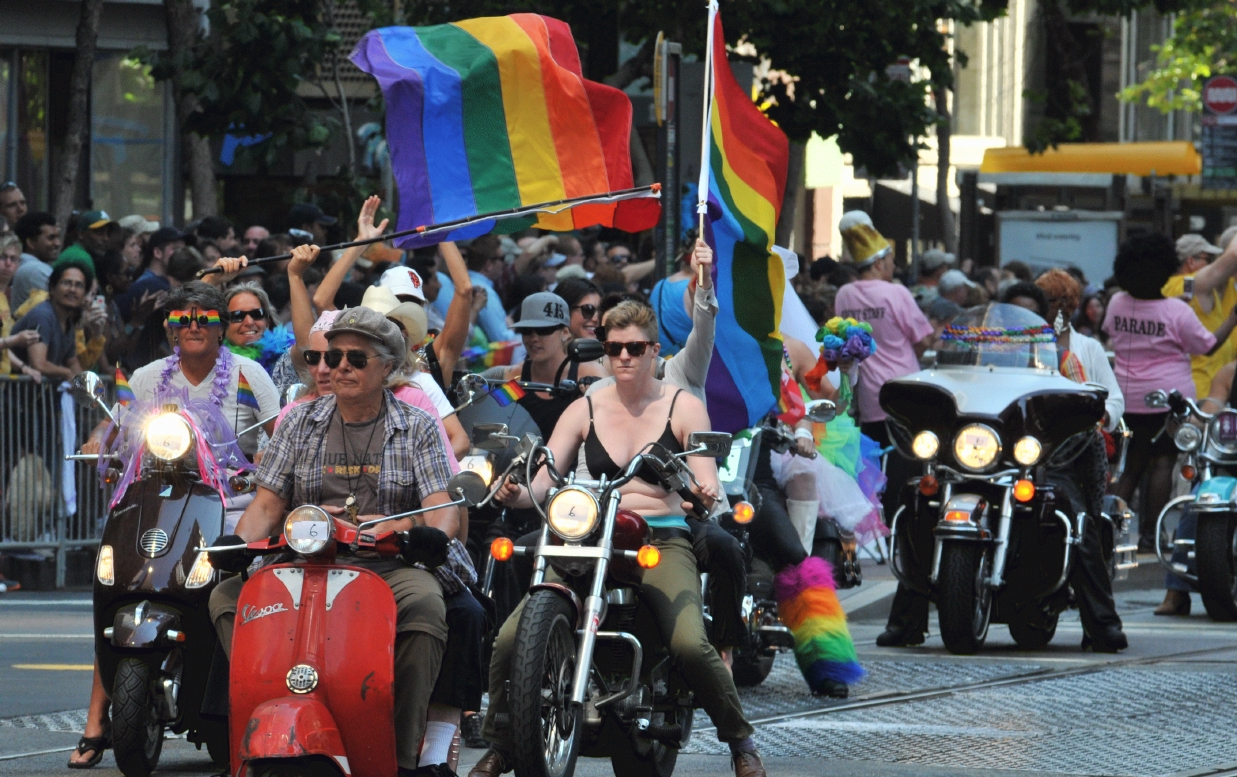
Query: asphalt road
(1163,707)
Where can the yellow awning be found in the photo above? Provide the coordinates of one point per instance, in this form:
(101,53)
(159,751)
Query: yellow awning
(1159,158)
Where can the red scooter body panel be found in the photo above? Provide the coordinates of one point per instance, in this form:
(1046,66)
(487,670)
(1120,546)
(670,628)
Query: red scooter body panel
(351,647)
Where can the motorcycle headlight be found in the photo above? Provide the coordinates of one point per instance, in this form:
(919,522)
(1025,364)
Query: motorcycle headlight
(307,529)
(1224,431)
(976,447)
(104,569)
(925,445)
(572,513)
(200,573)
(1188,437)
(1027,451)
(480,464)
(168,436)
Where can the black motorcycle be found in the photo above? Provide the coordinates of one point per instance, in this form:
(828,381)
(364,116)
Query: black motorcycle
(154,639)
(991,530)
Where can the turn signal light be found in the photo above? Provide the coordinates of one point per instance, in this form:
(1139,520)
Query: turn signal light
(502,549)
(744,512)
(1024,490)
(957,515)
(648,556)
(928,485)
(1188,472)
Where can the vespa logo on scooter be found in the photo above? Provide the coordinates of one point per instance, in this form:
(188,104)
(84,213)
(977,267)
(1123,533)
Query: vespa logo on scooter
(251,613)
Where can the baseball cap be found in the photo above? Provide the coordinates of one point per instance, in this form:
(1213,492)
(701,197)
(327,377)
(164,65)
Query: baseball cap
(935,258)
(545,308)
(93,219)
(139,224)
(953,279)
(940,309)
(369,323)
(305,212)
(1193,245)
(402,281)
(162,237)
(555,259)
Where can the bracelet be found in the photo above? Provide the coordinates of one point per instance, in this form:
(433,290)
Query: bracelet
(804,434)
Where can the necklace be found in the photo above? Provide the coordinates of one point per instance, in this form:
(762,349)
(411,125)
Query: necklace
(350,504)
(219,386)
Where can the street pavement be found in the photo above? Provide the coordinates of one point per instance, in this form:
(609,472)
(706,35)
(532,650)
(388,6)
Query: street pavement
(1163,707)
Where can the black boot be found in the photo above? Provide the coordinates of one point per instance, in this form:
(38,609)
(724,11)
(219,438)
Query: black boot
(908,620)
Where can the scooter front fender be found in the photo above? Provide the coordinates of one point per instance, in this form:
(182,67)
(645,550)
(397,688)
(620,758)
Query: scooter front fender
(291,727)
(145,629)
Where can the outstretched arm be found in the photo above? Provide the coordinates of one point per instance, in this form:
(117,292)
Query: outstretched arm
(324,297)
(454,336)
(302,309)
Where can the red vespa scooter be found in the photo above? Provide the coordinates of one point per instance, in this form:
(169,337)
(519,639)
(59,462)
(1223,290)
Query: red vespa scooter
(312,687)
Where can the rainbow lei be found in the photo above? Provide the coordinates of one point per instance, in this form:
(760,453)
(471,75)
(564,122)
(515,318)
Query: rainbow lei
(976,335)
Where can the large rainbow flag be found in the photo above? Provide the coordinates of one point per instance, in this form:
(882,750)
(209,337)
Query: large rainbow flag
(490,114)
(746,179)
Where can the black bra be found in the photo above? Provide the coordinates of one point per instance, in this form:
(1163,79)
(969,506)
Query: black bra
(599,460)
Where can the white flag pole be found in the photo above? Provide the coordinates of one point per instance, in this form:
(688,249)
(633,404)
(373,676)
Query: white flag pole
(702,187)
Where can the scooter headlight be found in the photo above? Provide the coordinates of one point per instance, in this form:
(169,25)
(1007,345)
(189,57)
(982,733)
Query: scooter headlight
(572,513)
(925,445)
(1188,437)
(169,437)
(201,573)
(976,447)
(307,529)
(1027,451)
(104,569)
(479,463)
(1224,431)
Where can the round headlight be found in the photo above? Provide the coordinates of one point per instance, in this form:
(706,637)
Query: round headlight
(925,445)
(307,529)
(1027,451)
(976,447)
(572,513)
(1224,431)
(168,436)
(479,463)
(1188,437)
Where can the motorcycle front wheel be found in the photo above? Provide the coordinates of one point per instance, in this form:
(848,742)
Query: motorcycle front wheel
(546,729)
(965,601)
(137,731)
(1215,554)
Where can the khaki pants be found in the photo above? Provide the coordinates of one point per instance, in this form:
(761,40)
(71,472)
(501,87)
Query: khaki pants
(672,592)
(421,633)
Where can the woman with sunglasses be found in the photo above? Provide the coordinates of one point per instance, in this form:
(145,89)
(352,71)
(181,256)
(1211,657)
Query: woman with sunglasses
(251,327)
(583,298)
(612,426)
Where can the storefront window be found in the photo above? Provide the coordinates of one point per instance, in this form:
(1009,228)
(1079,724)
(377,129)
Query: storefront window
(127,143)
(32,146)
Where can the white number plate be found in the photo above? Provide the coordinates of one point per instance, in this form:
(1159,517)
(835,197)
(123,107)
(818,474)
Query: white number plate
(310,530)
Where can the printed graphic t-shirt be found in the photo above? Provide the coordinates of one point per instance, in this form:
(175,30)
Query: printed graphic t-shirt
(352,462)
(897,324)
(1153,340)
(1204,367)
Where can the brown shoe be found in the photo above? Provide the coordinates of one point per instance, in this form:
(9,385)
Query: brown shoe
(747,765)
(1175,603)
(493,764)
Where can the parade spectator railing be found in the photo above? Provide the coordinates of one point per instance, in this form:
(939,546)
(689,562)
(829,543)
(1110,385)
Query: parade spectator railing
(48,506)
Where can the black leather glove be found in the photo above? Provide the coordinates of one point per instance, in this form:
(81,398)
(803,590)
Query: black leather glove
(426,546)
(230,560)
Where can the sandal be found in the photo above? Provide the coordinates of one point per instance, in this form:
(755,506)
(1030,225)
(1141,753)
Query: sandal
(97,745)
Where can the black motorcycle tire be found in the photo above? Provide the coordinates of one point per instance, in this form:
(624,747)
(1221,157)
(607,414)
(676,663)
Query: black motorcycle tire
(626,760)
(542,671)
(137,731)
(1034,636)
(965,602)
(1215,556)
(215,735)
(750,667)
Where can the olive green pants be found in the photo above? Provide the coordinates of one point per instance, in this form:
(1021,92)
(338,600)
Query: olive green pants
(421,633)
(672,592)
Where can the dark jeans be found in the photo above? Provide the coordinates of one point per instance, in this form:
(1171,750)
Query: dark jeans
(719,554)
(460,678)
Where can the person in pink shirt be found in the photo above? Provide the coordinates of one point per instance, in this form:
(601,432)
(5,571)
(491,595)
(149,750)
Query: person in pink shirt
(1153,339)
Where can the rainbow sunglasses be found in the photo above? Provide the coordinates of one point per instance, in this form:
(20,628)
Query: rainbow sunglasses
(182,318)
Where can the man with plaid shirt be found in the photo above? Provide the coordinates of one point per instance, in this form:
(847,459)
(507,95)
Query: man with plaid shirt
(363,455)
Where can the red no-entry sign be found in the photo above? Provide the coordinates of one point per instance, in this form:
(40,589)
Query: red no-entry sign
(1220,95)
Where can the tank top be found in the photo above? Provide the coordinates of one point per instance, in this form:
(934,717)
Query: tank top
(546,412)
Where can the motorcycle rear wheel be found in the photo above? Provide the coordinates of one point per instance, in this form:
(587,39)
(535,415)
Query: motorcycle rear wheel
(1215,554)
(1034,636)
(659,761)
(965,601)
(546,730)
(750,667)
(137,731)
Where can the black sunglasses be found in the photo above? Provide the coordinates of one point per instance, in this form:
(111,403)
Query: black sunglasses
(357,358)
(588,311)
(313,357)
(237,316)
(636,348)
(541,331)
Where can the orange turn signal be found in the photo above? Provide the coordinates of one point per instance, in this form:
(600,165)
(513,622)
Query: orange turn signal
(1024,490)
(648,556)
(928,485)
(502,549)
(1188,472)
(957,515)
(744,512)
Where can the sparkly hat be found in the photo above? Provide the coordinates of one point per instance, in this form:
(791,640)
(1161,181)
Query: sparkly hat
(862,243)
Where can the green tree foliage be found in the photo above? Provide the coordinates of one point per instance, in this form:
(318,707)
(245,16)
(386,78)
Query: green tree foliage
(1203,44)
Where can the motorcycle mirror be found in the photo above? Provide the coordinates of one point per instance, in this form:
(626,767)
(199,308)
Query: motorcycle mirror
(490,437)
(87,389)
(585,350)
(294,392)
(471,384)
(469,486)
(715,444)
(821,411)
(1157,399)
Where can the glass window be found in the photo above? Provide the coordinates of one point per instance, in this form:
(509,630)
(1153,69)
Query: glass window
(126,153)
(32,148)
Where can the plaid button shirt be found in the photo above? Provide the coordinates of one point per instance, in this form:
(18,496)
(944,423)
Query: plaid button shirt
(414,465)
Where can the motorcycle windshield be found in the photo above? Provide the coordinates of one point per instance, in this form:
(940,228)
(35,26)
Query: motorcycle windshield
(998,335)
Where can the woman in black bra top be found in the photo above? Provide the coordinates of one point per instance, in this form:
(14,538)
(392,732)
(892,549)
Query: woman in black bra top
(613,425)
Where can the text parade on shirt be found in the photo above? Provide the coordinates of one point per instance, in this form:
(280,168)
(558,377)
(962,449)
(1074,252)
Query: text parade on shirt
(1136,326)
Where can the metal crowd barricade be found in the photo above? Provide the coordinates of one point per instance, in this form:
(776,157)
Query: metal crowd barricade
(35,513)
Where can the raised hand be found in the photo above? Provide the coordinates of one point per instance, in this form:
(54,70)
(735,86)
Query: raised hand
(365,229)
(302,258)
